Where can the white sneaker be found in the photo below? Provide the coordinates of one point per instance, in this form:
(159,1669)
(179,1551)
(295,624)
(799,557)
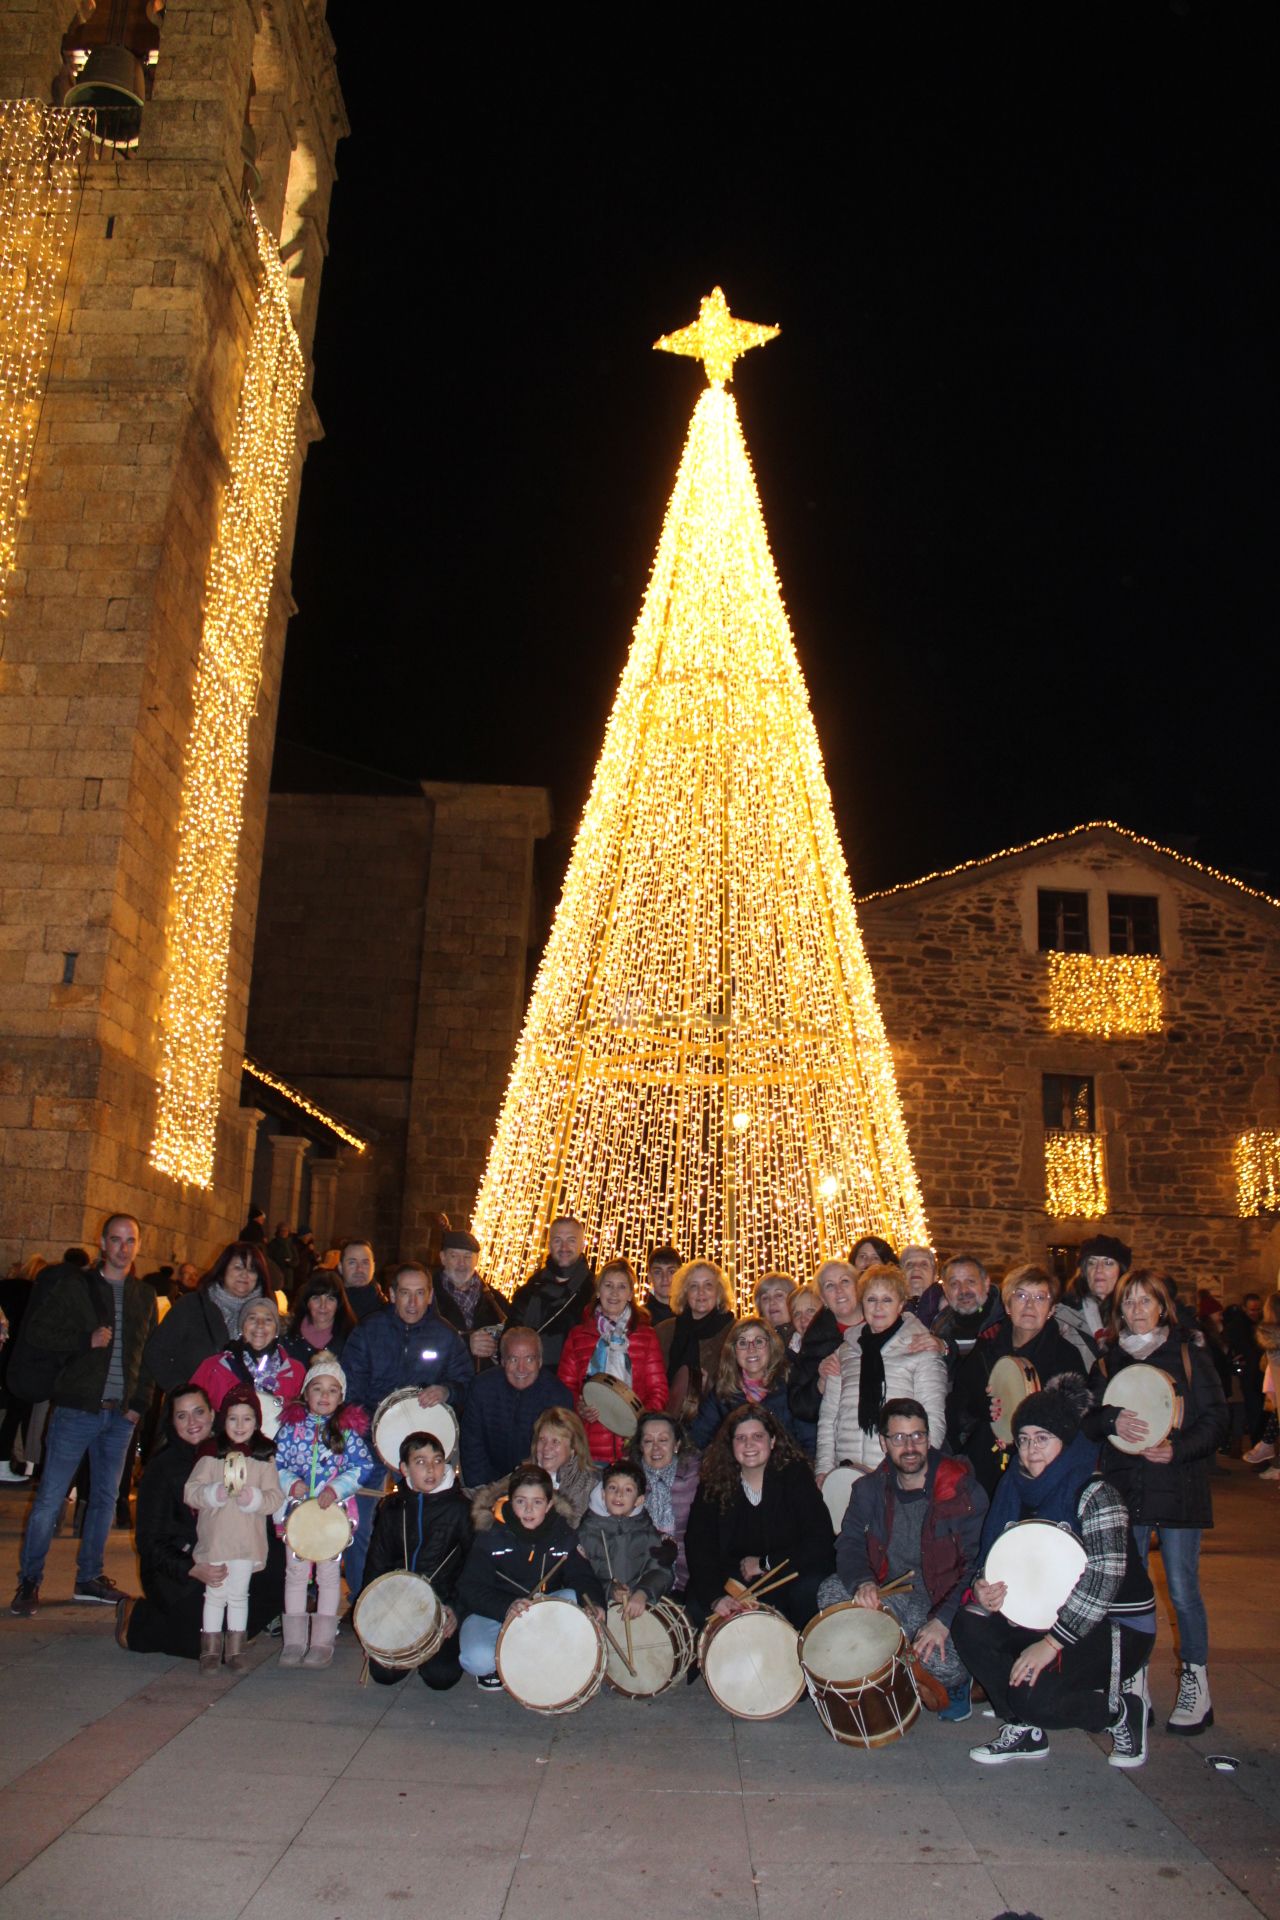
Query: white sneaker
(1259,1455)
(1193,1710)
(1270,1473)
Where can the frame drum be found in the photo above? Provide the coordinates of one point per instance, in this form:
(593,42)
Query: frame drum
(399,1415)
(662,1650)
(614,1406)
(836,1489)
(318,1533)
(857,1675)
(1010,1382)
(550,1658)
(235,1474)
(1152,1394)
(751,1663)
(398,1620)
(1039,1564)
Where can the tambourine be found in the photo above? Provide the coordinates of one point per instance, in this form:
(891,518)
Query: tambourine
(235,1473)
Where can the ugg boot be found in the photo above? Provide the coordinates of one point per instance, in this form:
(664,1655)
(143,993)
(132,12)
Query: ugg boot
(1194,1709)
(210,1652)
(294,1628)
(324,1631)
(235,1653)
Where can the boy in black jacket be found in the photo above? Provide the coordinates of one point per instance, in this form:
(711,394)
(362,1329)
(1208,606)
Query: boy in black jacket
(424,1527)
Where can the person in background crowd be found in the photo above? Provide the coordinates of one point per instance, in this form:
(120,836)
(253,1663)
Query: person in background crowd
(255,1358)
(306,1260)
(503,1407)
(186,1278)
(562,1290)
(16,1292)
(1167,1485)
(356,1271)
(973,1305)
(475,1312)
(702,1306)
(818,1356)
(924,1292)
(1240,1337)
(614,1337)
(87,1335)
(282,1251)
(1082,1314)
(753,1368)
(671,1470)
(1268,1334)
(804,1303)
(560,1449)
(871,1251)
(201,1323)
(878,1362)
(321,1320)
(757,1505)
(664,1264)
(771,1297)
(254,1231)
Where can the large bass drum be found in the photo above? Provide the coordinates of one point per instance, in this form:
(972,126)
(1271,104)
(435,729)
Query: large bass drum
(856,1670)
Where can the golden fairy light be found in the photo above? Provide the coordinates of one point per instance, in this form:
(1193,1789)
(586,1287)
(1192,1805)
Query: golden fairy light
(237,597)
(300,1100)
(1104,994)
(1075,1176)
(41,150)
(703,1060)
(1257,1158)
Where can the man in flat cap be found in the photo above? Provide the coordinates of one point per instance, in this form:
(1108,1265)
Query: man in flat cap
(475,1312)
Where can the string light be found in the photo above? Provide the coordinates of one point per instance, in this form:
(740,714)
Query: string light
(1104,994)
(237,598)
(41,175)
(1257,1157)
(300,1100)
(716,338)
(1073,833)
(703,1053)
(1075,1176)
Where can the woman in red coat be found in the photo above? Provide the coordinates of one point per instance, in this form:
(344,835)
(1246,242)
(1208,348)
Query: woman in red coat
(614,1336)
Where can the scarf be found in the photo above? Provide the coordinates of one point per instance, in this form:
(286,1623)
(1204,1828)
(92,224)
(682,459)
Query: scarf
(688,1335)
(1139,1346)
(259,1370)
(965,1328)
(754,1390)
(871,1374)
(658,1499)
(613,1351)
(465,1299)
(317,1340)
(229,1307)
(1053,1495)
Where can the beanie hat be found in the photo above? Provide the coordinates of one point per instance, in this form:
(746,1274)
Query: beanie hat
(1104,1246)
(457,1240)
(325,1367)
(1051,1410)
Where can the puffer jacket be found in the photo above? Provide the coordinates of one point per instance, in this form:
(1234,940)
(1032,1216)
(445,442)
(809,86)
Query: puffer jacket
(574,1488)
(1179,1494)
(426,1533)
(915,1376)
(506,1561)
(648,1375)
(384,1354)
(629,1551)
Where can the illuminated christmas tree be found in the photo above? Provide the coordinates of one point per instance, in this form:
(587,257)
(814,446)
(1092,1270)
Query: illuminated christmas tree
(703,1060)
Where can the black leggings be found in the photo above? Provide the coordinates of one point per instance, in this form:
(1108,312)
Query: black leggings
(442,1671)
(1071,1692)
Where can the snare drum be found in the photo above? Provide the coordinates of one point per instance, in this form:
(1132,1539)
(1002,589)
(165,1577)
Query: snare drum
(1039,1564)
(662,1650)
(398,1620)
(751,1663)
(613,1404)
(836,1489)
(855,1667)
(1010,1383)
(550,1658)
(318,1533)
(1153,1395)
(399,1415)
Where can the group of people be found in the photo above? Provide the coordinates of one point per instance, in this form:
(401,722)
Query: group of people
(881,1364)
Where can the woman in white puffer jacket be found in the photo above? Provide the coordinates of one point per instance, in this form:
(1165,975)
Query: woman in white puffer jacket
(876,1364)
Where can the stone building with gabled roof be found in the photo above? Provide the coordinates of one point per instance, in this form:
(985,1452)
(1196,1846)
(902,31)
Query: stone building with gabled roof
(1086,1031)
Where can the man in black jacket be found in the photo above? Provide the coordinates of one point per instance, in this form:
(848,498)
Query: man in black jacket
(475,1312)
(497,1426)
(87,1332)
(555,1297)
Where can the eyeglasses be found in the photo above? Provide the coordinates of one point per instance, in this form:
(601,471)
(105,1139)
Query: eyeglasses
(755,1340)
(1030,1299)
(1034,1442)
(913,1439)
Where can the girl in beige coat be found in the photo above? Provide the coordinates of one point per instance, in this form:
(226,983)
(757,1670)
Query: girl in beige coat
(877,1364)
(234,1490)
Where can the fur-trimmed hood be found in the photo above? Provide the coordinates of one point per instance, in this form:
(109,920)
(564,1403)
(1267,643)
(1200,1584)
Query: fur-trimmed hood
(489,1503)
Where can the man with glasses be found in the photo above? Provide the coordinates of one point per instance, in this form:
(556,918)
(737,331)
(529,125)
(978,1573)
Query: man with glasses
(1031,1334)
(919,1513)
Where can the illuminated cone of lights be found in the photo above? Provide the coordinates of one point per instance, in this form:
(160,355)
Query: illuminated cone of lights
(703,1060)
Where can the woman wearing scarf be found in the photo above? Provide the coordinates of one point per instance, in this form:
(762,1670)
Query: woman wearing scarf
(202,1322)
(1084,1311)
(702,1314)
(1087,1669)
(1167,1486)
(321,1318)
(255,1358)
(671,1468)
(753,1367)
(614,1337)
(877,1363)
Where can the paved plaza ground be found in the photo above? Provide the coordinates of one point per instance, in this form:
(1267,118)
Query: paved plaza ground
(131,1787)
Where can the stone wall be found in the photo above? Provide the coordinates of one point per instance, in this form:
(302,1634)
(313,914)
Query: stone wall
(965,1000)
(106,609)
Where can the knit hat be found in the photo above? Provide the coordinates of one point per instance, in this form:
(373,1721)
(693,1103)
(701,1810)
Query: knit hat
(457,1240)
(1104,1246)
(1051,1409)
(325,1367)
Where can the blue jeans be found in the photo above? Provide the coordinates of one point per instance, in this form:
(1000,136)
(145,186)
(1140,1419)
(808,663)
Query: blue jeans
(1180,1552)
(358,1552)
(70,1435)
(478,1637)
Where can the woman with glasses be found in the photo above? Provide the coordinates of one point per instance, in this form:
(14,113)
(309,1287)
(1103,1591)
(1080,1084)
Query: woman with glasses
(1166,1485)
(753,1367)
(1085,1310)
(1029,1332)
(1087,1668)
(615,1337)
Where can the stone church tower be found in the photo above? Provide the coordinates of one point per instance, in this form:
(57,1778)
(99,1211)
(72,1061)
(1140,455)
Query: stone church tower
(106,630)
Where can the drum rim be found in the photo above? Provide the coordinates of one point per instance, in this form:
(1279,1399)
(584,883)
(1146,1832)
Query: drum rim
(1032,1378)
(578,1699)
(400,1394)
(338,1507)
(393,1656)
(715,1625)
(851,1606)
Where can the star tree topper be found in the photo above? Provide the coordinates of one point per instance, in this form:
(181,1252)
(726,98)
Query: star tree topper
(716,338)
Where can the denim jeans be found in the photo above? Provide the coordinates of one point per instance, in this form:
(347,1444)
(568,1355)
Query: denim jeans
(1180,1552)
(70,1435)
(478,1637)
(358,1552)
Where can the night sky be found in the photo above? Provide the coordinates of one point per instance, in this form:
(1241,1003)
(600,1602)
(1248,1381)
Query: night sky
(1016,444)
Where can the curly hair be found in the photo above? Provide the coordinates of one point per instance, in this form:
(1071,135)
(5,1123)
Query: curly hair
(685,1273)
(729,1374)
(721,1476)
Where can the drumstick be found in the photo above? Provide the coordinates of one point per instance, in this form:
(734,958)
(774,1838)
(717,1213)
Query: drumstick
(767,1575)
(626,1618)
(758,1593)
(900,1585)
(435,1571)
(617,1649)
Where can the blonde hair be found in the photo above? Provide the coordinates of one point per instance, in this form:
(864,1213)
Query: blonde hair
(729,1373)
(560,1420)
(805,1292)
(1036,1276)
(832,1266)
(685,1273)
(882,1275)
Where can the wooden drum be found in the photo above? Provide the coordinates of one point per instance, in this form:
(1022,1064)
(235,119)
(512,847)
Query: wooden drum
(855,1667)
(398,1620)
(550,1658)
(662,1650)
(751,1663)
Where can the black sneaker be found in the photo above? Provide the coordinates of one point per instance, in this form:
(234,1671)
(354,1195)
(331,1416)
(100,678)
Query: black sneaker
(26,1601)
(1129,1734)
(100,1592)
(1012,1743)
(488,1683)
